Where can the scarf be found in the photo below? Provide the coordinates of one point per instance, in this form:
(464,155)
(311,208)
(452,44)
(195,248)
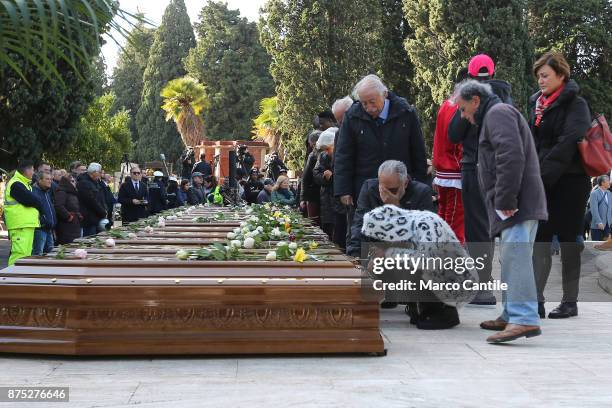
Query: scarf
(544,102)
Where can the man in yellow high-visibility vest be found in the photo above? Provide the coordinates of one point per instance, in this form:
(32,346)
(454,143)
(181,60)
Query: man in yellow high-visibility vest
(21,211)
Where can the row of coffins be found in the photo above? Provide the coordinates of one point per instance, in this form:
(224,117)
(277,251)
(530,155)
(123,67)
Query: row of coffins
(196,280)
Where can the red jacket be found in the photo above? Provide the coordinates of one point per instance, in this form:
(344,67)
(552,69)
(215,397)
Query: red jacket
(446,155)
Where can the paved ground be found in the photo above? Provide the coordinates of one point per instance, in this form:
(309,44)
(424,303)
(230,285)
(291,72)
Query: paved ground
(570,365)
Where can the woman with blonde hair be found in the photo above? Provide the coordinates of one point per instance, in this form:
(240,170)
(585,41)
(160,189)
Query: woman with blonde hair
(281,194)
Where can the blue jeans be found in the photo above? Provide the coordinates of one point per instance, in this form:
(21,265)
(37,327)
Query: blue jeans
(43,242)
(520,301)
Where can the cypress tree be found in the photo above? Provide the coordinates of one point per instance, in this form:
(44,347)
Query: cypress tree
(319,49)
(172,42)
(233,66)
(581,31)
(448,32)
(127,79)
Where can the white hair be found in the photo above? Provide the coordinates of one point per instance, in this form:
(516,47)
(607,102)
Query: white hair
(94,167)
(394,167)
(470,88)
(342,104)
(327,138)
(369,82)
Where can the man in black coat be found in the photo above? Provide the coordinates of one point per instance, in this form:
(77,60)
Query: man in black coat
(202,167)
(393,186)
(133,196)
(380,126)
(91,199)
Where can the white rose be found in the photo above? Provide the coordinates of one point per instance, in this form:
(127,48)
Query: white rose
(231,235)
(281,244)
(131,235)
(293,245)
(181,254)
(148,229)
(276,232)
(260,229)
(253,218)
(109,242)
(271,256)
(249,210)
(81,253)
(235,243)
(249,243)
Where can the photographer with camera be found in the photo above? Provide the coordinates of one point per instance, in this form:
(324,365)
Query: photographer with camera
(274,166)
(187,162)
(245,159)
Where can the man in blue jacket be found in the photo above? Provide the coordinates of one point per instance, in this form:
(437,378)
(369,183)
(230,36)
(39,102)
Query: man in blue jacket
(601,209)
(43,236)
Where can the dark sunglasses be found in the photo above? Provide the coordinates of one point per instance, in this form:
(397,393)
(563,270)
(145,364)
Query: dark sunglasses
(135,172)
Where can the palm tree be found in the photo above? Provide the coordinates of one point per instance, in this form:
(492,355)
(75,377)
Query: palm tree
(184,100)
(266,125)
(43,32)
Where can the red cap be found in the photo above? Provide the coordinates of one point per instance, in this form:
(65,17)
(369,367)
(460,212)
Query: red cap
(478,62)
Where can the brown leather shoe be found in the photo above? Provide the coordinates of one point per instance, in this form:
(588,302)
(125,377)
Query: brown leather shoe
(513,332)
(497,324)
(606,246)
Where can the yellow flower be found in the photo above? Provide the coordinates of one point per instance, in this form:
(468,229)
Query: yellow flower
(287,227)
(277,214)
(313,245)
(300,255)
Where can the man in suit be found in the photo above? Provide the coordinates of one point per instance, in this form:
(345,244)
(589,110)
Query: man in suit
(133,197)
(601,209)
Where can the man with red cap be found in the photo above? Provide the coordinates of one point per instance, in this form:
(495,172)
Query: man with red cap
(481,68)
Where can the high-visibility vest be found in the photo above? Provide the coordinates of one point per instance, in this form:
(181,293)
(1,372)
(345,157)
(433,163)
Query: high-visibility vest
(17,215)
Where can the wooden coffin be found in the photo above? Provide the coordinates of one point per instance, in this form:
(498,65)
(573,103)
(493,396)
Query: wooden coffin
(143,301)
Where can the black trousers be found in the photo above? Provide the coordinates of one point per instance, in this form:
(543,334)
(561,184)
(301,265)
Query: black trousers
(479,243)
(566,203)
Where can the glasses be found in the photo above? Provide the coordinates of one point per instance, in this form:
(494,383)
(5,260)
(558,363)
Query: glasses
(135,173)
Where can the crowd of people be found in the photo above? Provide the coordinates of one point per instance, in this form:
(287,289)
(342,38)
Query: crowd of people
(493,174)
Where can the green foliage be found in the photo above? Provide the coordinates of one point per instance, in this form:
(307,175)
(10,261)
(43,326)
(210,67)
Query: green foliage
(103,137)
(127,79)
(267,124)
(184,100)
(396,69)
(232,64)
(44,32)
(447,33)
(41,117)
(319,49)
(172,41)
(581,31)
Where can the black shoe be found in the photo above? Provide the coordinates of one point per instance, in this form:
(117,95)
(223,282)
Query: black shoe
(388,305)
(412,311)
(541,310)
(438,317)
(564,310)
(484,298)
